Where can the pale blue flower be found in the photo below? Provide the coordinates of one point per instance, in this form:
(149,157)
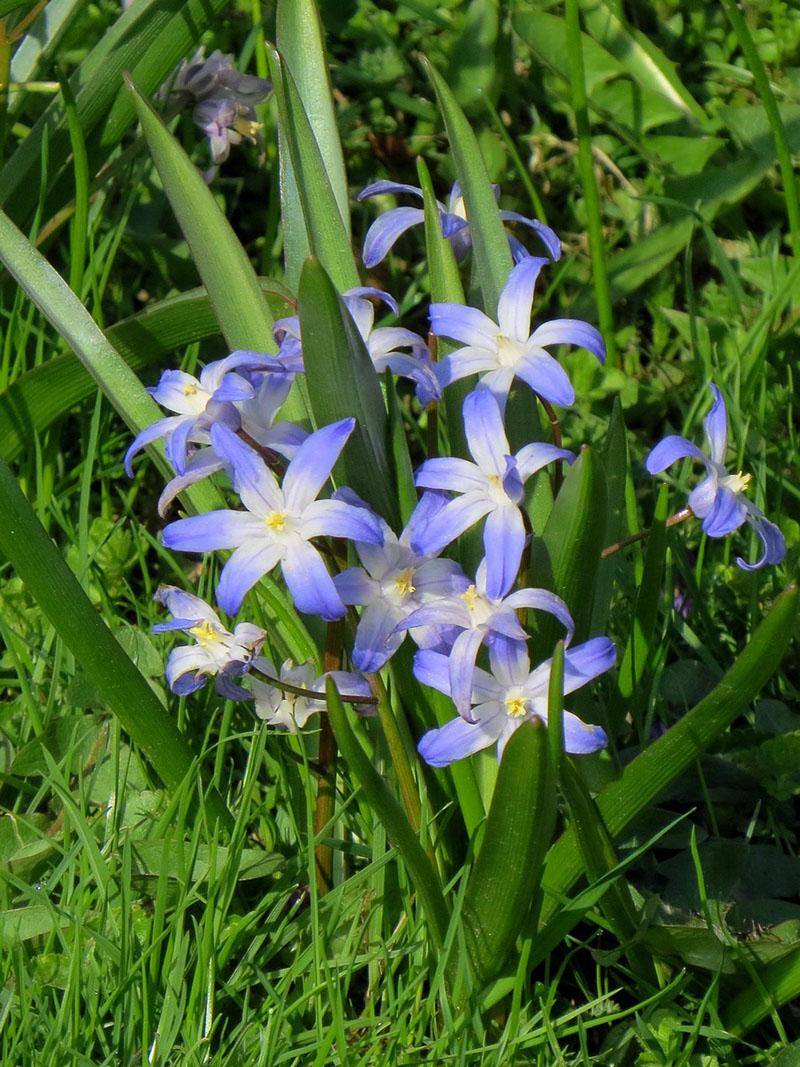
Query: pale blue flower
(719,499)
(291,711)
(491,486)
(279,522)
(478,619)
(504,350)
(510,695)
(389,226)
(393,581)
(216,651)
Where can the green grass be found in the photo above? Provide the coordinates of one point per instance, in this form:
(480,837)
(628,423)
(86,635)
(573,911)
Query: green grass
(132,930)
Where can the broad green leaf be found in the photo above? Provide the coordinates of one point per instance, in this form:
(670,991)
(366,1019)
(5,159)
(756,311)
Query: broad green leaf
(35,920)
(342,383)
(148,40)
(654,769)
(40,396)
(489,242)
(164,859)
(508,868)
(642,59)
(58,593)
(615,461)
(300,41)
(778,984)
(222,263)
(385,805)
(328,235)
(567,555)
(402,469)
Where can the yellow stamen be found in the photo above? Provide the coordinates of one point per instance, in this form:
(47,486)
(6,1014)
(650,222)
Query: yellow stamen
(276,520)
(738,482)
(205,634)
(469,596)
(190,390)
(516,707)
(404,584)
(246,127)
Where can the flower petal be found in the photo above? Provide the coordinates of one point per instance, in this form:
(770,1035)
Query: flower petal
(464,324)
(386,229)
(581,737)
(201,465)
(510,663)
(376,642)
(312,464)
(462,658)
(538,454)
(335,518)
(309,583)
(771,537)
(445,472)
(486,435)
(585,662)
(213,530)
(456,517)
(727,514)
(548,237)
(516,299)
(466,361)
(703,497)
(570,332)
(543,600)
(433,669)
(380,188)
(355,586)
(244,568)
(669,450)
(151,433)
(252,479)
(503,542)
(716,426)
(545,376)
(457,739)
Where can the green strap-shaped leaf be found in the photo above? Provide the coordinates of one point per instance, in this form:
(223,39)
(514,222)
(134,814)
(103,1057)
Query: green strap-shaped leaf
(40,396)
(647,776)
(423,875)
(300,41)
(778,984)
(616,463)
(342,383)
(328,236)
(58,593)
(489,242)
(230,280)
(508,868)
(567,555)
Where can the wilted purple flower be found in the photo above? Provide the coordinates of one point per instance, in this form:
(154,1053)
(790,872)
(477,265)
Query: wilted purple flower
(223,99)
(505,350)
(198,403)
(510,695)
(386,229)
(279,522)
(482,618)
(492,486)
(718,500)
(278,707)
(216,651)
(394,581)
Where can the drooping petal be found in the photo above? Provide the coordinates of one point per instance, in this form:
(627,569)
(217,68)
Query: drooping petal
(187,669)
(355,586)
(503,542)
(312,464)
(244,568)
(771,538)
(703,497)
(498,382)
(433,669)
(456,517)
(252,479)
(376,642)
(151,433)
(465,324)
(543,600)
(176,443)
(380,188)
(284,437)
(462,657)
(516,299)
(727,514)
(510,663)
(429,505)
(438,578)
(234,388)
(716,426)
(457,739)
(538,454)
(669,450)
(183,606)
(545,376)
(201,465)
(437,613)
(486,435)
(404,365)
(466,361)
(548,237)
(581,738)
(213,530)
(310,585)
(386,229)
(570,332)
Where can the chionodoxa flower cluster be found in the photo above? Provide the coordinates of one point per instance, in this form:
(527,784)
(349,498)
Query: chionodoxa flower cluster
(225,421)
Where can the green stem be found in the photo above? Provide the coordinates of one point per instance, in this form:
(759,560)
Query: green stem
(782,150)
(80,221)
(327,761)
(602,289)
(398,753)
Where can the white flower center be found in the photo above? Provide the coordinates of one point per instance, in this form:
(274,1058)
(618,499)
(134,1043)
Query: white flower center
(276,521)
(508,350)
(404,583)
(516,706)
(737,483)
(479,608)
(205,635)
